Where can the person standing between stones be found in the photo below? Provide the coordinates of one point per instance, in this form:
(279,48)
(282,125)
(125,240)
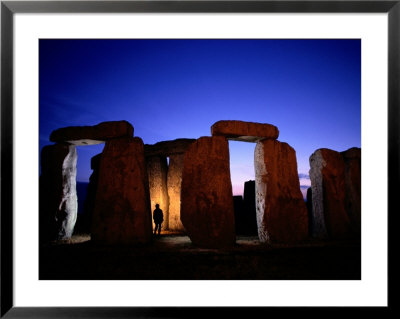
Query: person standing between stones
(158,218)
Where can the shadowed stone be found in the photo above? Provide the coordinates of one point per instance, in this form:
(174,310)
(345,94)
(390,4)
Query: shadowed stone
(281,211)
(157,172)
(249,203)
(352,161)
(167,148)
(310,211)
(206,196)
(244,131)
(88,135)
(327,174)
(122,209)
(57,196)
(86,217)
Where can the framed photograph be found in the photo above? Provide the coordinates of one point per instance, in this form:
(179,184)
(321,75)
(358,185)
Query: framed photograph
(166,92)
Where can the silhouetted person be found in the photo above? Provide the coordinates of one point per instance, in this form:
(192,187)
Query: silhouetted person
(158,218)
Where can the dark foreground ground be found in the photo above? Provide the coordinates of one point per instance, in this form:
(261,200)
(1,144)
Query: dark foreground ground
(173,256)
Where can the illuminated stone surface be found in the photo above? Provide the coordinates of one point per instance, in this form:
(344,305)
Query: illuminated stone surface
(87,135)
(206,196)
(327,174)
(122,209)
(175,150)
(174,191)
(157,172)
(281,211)
(244,131)
(57,195)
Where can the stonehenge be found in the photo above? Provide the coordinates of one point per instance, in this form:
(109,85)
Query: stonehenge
(244,131)
(336,193)
(281,211)
(58,203)
(165,179)
(190,180)
(245,210)
(89,135)
(157,168)
(206,196)
(122,208)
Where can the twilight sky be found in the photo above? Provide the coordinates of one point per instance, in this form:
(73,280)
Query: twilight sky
(168,89)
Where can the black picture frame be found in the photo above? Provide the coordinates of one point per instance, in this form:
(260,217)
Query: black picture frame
(9,8)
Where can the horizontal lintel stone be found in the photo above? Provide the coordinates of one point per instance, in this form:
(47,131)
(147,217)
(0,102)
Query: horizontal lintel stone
(89,135)
(244,131)
(167,148)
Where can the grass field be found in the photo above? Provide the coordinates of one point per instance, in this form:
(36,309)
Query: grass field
(173,257)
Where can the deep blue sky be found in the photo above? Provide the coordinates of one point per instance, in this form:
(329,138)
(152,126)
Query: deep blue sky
(168,89)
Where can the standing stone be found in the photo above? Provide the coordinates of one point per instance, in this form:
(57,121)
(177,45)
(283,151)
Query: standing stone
(249,203)
(310,211)
(206,196)
(352,161)
(57,198)
(174,182)
(157,168)
(87,215)
(122,209)
(327,174)
(239,213)
(175,150)
(281,211)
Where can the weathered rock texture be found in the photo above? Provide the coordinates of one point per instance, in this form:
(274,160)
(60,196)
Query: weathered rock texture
(157,168)
(336,193)
(352,180)
(244,131)
(122,209)
(175,150)
(167,148)
(206,196)
(87,135)
(281,211)
(174,182)
(57,194)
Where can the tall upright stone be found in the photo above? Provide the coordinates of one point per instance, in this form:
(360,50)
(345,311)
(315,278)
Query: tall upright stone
(122,209)
(281,211)
(90,199)
(58,205)
(336,193)
(352,181)
(327,174)
(249,205)
(174,181)
(206,195)
(310,211)
(157,168)
(175,150)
